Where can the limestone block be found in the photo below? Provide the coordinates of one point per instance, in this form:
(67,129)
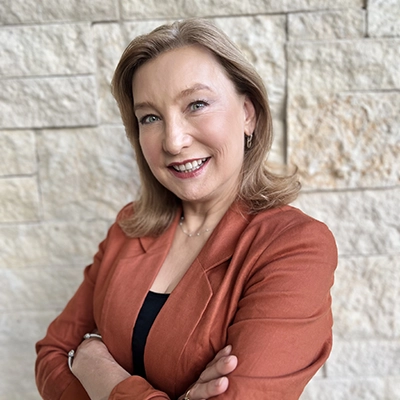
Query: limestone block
(134,9)
(53,243)
(75,242)
(61,49)
(35,288)
(366,298)
(368,358)
(12,323)
(48,102)
(18,153)
(17,378)
(19,199)
(278,150)
(109,44)
(383,18)
(348,65)
(325,25)
(30,11)
(363,222)
(22,245)
(347,141)
(345,389)
(262,40)
(85,173)
(11,393)
(19,331)
(393,387)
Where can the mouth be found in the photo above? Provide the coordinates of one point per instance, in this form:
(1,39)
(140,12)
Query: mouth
(189,166)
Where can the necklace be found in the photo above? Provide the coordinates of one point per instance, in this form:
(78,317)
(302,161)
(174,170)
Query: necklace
(198,233)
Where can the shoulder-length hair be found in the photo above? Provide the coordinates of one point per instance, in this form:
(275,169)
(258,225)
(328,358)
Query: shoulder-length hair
(259,188)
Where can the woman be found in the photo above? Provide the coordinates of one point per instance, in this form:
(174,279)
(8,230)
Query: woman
(209,284)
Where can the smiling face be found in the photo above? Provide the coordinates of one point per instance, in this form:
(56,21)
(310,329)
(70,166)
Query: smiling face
(192,124)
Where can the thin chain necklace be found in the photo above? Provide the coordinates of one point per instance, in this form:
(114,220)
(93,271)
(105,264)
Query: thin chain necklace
(198,233)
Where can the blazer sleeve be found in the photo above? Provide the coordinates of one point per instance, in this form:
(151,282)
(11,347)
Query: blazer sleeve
(53,377)
(281,331)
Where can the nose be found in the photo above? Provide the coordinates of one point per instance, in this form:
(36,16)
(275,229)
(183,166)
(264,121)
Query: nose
(176,135)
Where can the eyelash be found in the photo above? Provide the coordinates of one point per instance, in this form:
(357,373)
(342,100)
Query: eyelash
(203,103)
(142,120)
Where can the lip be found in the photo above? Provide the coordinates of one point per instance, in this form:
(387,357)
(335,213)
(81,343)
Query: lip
(191,174)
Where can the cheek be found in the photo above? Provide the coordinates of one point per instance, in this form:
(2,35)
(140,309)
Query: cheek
(149,150)
(229,137)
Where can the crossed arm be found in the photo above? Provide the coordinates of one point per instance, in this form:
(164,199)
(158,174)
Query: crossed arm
(99,373)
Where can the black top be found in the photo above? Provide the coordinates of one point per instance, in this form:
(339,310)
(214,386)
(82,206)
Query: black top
(147,315)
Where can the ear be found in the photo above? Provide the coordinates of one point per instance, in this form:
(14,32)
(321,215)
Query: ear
(250,117)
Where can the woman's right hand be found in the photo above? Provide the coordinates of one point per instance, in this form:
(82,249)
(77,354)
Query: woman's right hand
(213,380)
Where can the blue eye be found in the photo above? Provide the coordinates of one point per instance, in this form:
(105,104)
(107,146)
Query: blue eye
(149,119)
(197,105)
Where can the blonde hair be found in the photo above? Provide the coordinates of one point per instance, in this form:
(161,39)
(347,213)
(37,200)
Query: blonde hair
(259,188)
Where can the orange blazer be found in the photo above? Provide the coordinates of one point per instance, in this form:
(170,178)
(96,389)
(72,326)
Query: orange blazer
(261,283)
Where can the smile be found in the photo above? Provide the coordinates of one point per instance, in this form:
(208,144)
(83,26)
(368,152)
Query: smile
(189,166)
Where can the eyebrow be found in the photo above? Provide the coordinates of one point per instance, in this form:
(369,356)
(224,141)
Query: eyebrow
(144,104)
(187,92)
(195,88)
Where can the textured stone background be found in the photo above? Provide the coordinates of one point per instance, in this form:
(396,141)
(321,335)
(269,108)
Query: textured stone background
(333,75)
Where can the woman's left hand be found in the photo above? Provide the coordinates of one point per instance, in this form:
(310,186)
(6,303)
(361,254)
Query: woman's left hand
(96,369)
(213,381)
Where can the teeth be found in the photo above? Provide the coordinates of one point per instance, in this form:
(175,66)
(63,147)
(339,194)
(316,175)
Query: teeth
(190,166)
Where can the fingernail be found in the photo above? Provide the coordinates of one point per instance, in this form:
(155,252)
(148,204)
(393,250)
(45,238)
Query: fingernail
(228,348)
(220,381)
(227,359)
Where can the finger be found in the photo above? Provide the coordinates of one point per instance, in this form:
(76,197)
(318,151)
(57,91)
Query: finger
(224,366)
(203,391)
(222,353)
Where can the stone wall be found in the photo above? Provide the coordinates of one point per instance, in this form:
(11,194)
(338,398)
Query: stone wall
(332,71)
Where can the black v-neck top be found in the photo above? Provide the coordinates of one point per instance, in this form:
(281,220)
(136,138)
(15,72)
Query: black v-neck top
(147,315)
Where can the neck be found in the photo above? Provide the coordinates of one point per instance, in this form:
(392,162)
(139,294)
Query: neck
(201,220)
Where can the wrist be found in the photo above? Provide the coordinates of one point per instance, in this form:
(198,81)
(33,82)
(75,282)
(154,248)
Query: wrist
(71,353)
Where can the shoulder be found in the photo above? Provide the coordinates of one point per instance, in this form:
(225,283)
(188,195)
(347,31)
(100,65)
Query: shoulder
(287,229)
(287,219)
(292,250)
(116,237)
(285,216)
(125,212)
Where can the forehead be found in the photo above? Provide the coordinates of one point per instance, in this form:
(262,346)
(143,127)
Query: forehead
(179,69)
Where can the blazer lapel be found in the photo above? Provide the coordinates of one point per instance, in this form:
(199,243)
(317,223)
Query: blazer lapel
(174,325)
(131,281)
(187,303)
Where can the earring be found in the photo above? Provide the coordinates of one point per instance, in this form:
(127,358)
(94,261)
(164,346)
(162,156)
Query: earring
(249,141)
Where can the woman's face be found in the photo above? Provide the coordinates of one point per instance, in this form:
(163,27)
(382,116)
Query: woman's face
(192,124)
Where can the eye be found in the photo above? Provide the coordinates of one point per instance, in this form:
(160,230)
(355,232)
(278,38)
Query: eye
(197,105)
(149,119)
